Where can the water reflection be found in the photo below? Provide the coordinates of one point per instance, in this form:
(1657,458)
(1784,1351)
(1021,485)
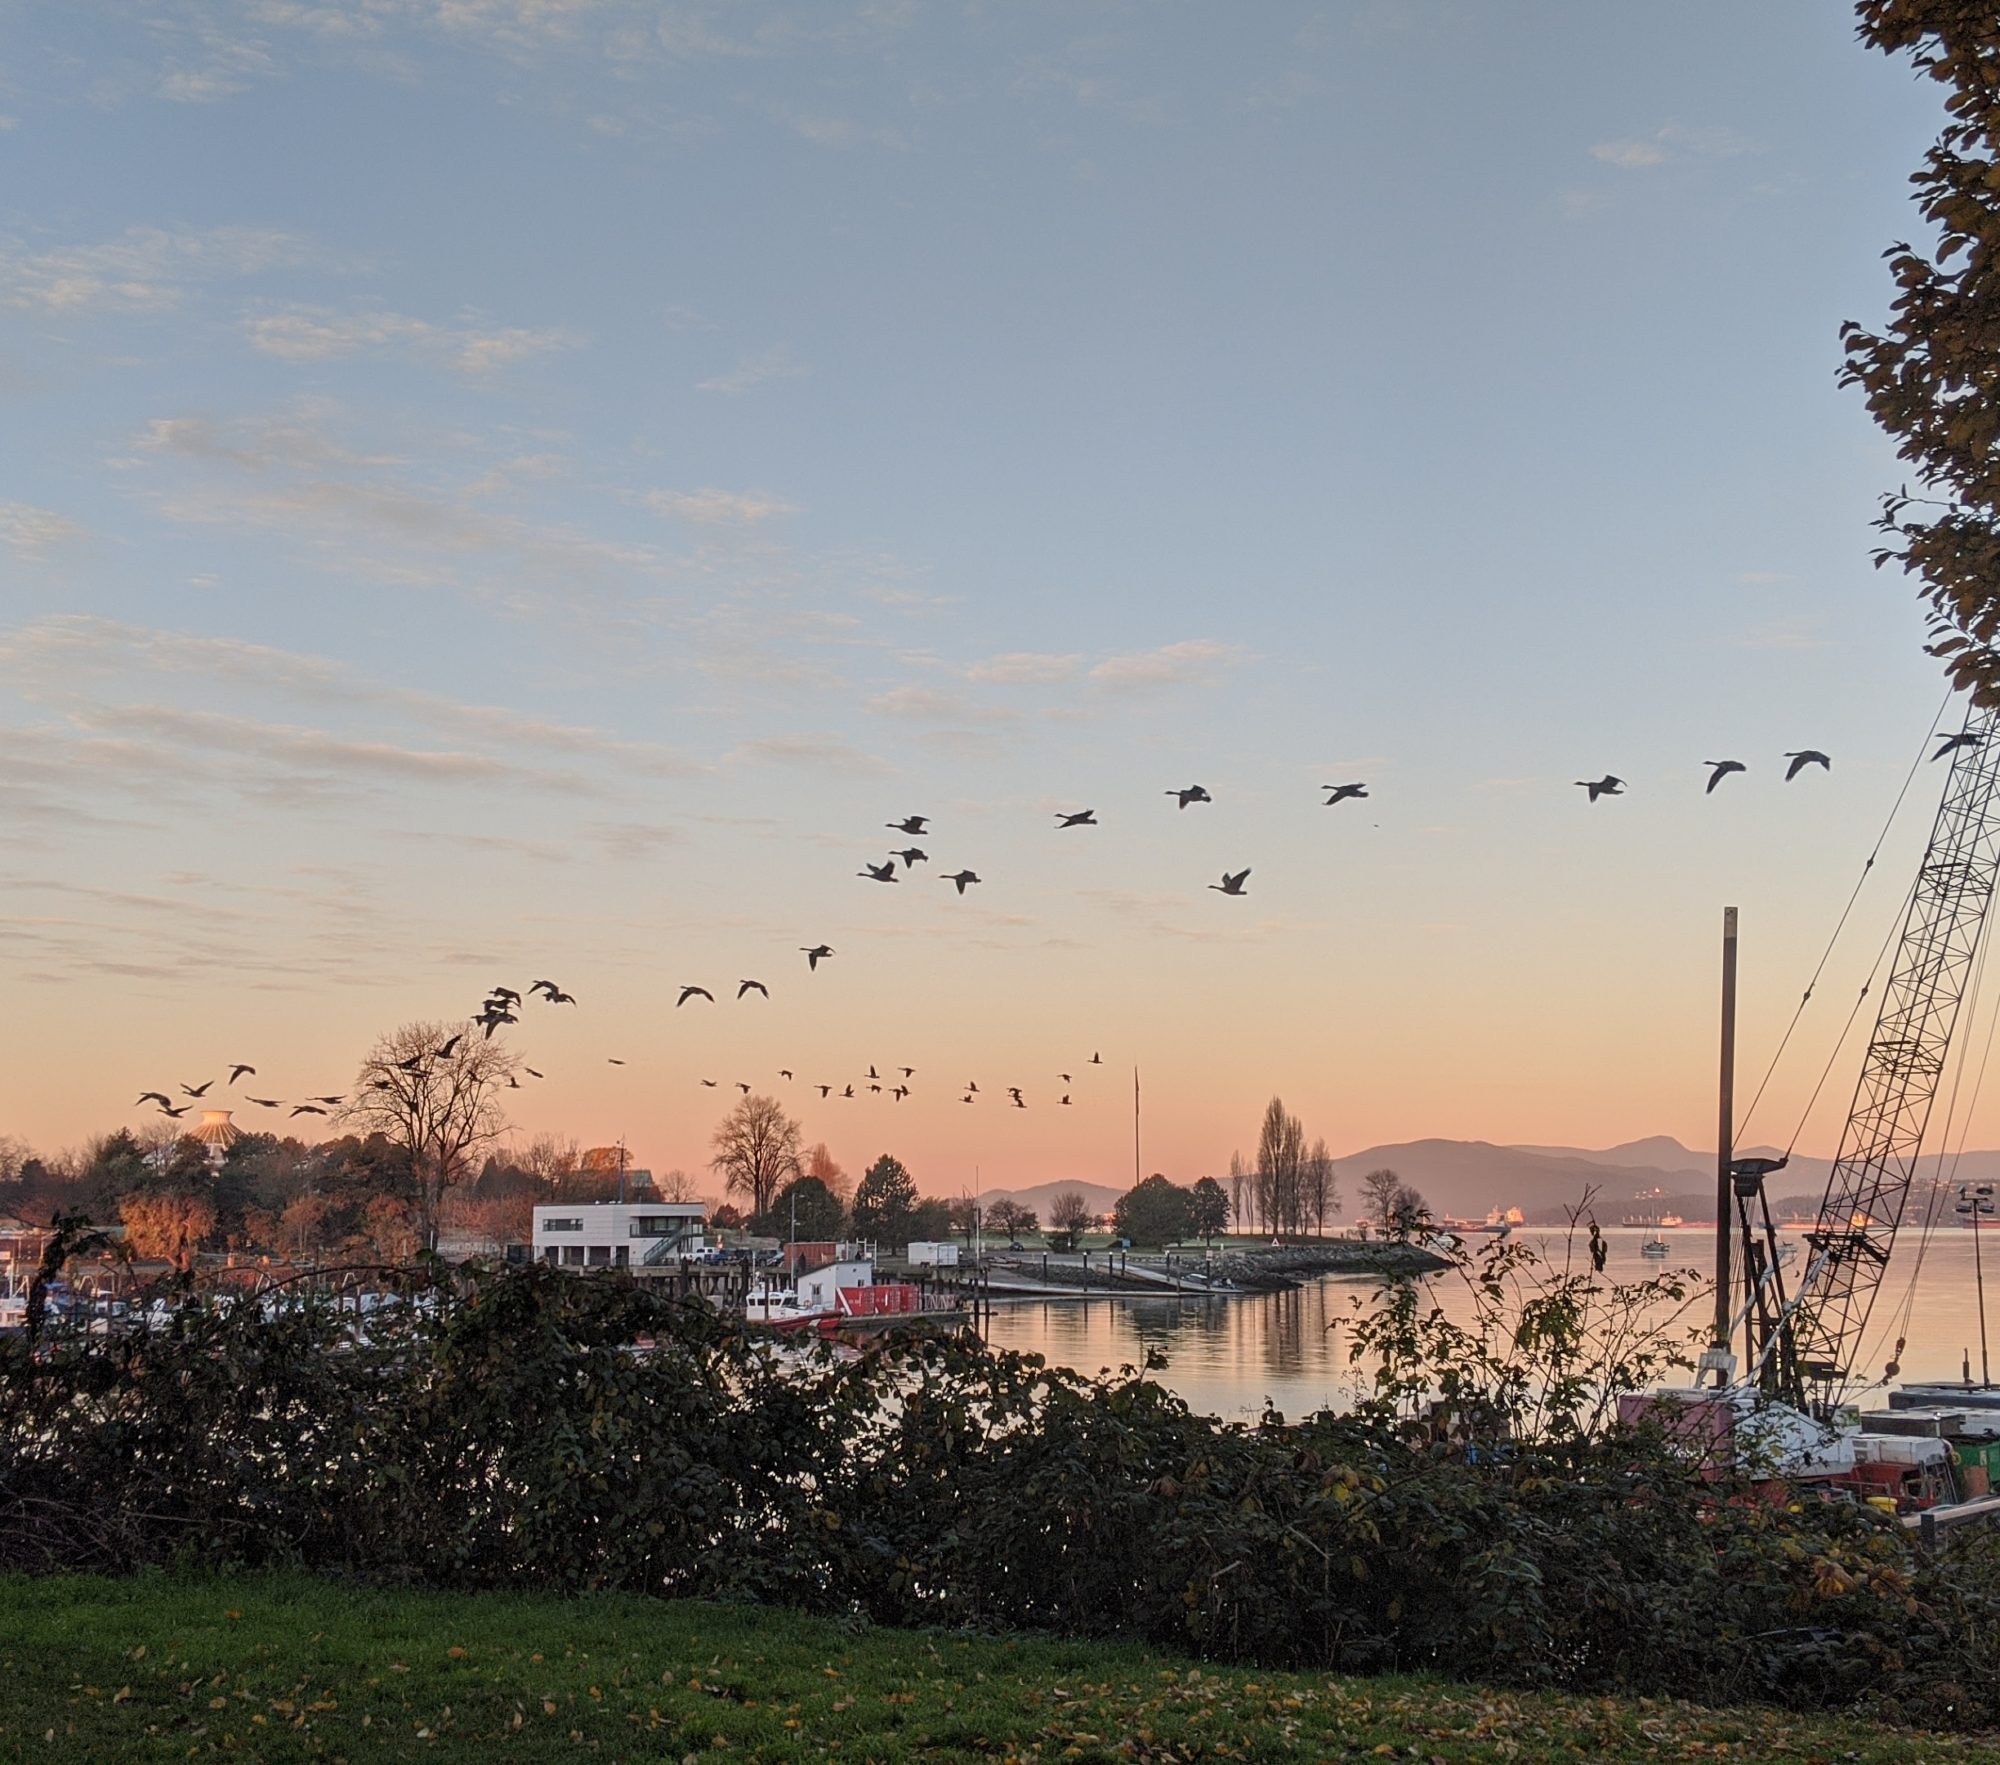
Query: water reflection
(1228,1357)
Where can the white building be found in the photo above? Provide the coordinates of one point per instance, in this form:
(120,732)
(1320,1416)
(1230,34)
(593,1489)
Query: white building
(618,1234)
(934,1253)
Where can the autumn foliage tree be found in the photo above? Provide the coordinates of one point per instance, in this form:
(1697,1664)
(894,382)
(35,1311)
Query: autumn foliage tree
(437,1107)
(1931,375)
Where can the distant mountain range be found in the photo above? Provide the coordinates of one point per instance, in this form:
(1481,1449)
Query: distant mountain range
(1466,1178)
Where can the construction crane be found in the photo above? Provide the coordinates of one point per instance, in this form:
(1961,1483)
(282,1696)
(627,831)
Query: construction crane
(1804,1348)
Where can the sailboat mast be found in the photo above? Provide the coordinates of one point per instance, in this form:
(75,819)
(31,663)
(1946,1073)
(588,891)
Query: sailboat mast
(1725,1150)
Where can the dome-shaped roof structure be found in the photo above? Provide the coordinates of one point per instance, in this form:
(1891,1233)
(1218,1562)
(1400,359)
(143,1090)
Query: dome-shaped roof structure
(216,1131)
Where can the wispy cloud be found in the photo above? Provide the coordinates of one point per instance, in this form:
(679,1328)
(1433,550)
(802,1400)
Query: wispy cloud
(59,657)
(1025,668)
(33,532)
(1638,153)
(929,705)
(145,269)
(1630,156)
(1174,664)
(1800,633)
(317,334)
(753,371)
(816,753)
(709,507)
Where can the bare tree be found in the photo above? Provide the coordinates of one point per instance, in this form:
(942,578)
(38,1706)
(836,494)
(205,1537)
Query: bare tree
(1242,1194)
(676,1185)
(1069,1214)
(1379,1189)
(439,1108)
(550,1159)
(756,1151)
(1321,1186)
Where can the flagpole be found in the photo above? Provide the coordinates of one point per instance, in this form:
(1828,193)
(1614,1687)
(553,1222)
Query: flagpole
(1135,1127)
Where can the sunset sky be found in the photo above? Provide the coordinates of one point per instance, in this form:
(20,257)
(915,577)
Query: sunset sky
(518,488)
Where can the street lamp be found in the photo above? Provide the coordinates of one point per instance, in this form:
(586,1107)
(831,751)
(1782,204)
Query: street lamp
(1975,1199)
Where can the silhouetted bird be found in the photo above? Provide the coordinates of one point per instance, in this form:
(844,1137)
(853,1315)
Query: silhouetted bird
(1806,757)
(493,1020)
(159,1097)
(1610,785)
(1966,738)
(875,1090)
(961,878)
(196,1090)
(972,1085)
(506,993)
(912,855)
(1723,768)
(1232,882)
(266,1102)
(1014,1091)
(1076,818)
(879,872)
(966,1099)
(848,1092)
(918,825)
(900,1092)
(1065,1097)
(1191,794)
(530,1071)
(784,1072)
(1342,793)
(513,1084)
(824,1090)
(743,987)
(333,1102)
(908,1072)
(239,1069)
(1065,1078)
(708,1084)
(741,1086)
(307,1109)
(814,952)
(556,997)
(688,993)
(872,1073)
(1097,1060)
(413,1064)
(166,1109)
(1018,1104)
(444,1053)
(612,1060)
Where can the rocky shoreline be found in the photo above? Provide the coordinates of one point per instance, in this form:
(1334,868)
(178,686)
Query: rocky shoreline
(1234,1270)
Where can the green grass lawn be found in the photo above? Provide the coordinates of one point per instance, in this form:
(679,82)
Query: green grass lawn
(282,1667)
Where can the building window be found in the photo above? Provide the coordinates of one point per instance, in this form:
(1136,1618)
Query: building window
(654,1225)
(562,1225)
(622,1255)
(600,1255)
(572,1255)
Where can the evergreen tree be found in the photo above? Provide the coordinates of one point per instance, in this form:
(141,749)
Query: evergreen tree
(885,1200)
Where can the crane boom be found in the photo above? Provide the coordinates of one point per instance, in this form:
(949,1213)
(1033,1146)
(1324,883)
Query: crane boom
(1884,1136)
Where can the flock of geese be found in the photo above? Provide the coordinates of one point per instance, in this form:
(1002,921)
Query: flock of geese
(502,1006)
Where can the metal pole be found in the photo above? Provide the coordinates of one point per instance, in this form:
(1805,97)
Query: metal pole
(1979,1205)
(1135,1127)
(1725,1134)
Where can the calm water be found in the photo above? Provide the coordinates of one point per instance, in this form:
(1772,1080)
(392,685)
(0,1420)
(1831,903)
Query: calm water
(1228,1356)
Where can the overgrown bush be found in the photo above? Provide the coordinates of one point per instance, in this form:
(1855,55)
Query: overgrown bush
(531,1429)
